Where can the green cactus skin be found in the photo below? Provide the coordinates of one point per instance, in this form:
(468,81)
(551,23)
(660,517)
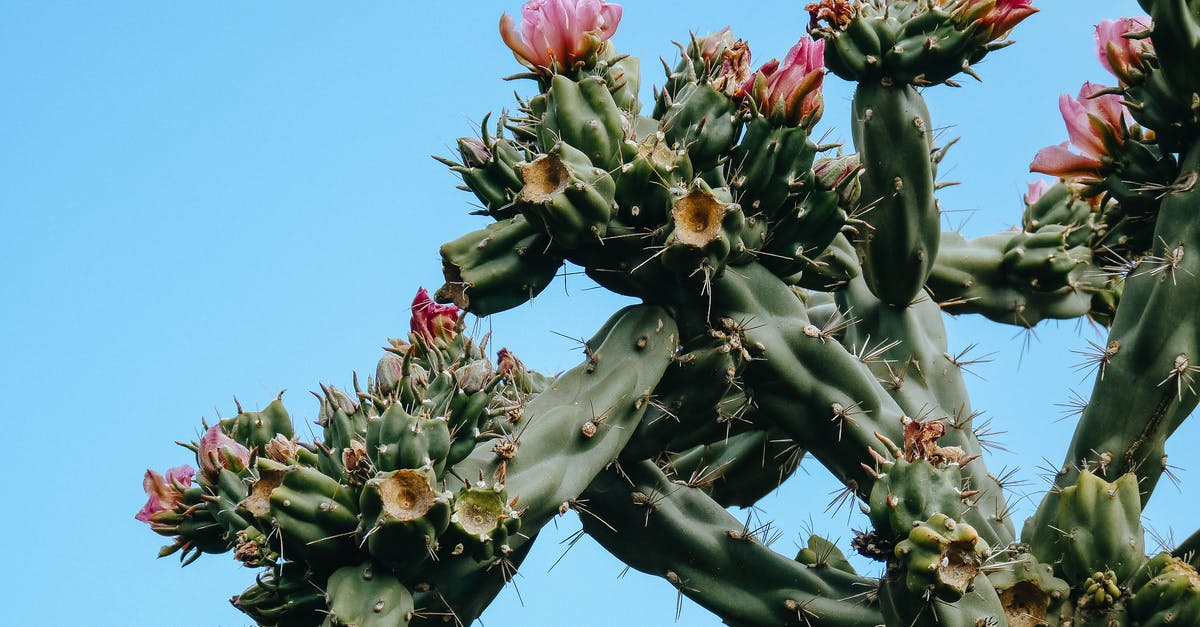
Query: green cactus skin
(489,169)
(402,518)
(831,269)
(195,531)
(567,195)
(1015,279)
(255,429)
(908,493)
(1166,592)
(768,164)
(790,352)
(700,120)
(738,470)
(922,376)
(892,132)
(1098,528)
(367,595)
(980,606)
(554,460)
(821,553)
(286,596)
(1143,388)
(226,508)
(584,114)
(397,440)
(942,557)
(499,267)
(481,521)
(316,516)
(625,360)
(645,181)
(702,550)
(906,41)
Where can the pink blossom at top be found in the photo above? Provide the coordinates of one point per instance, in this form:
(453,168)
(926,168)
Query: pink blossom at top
(1117,52)
(164,493)
(1036,190)
(431,320)
(792,88)
(996,18)
(561,32)
(216,451)
(1095,124)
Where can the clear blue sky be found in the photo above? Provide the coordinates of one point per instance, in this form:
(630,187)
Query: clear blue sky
(202,200)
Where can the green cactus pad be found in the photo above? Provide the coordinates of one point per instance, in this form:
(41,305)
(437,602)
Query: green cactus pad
(367,595)
(316,516)
(941,556)
(1166,593)
(402,517)
(481,522)
(1098,529)
(567,195)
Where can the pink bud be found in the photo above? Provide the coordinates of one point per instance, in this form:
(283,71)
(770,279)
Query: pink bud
(218,451)
(792,89)
(558,34)
(508,366)
(1036,189)
(1120,54)
(994,19)
(431,320)
(164,493)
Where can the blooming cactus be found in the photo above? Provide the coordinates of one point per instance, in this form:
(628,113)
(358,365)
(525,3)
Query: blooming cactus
(431,320)
(1096,124)
(995,18)
(791,90)
(1120,50)
(218,451)
(559,33)
(164,493)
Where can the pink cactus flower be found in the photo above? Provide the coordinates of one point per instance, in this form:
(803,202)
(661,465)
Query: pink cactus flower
(714,42)
(1095,124)
(995,18)
(1118,53)
(1036,190)
(431,320)
(559,33)
(792,88)
(216,452)
(164,493)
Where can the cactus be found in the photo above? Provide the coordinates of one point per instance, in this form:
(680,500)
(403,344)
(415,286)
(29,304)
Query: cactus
(791,305)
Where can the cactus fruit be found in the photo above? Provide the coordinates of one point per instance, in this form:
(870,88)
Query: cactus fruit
(791,305)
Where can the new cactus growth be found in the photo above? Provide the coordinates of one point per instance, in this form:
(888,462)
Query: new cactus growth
(792,303)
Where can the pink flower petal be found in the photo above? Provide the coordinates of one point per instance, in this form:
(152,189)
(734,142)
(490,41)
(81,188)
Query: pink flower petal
(1060,162)
(1079,126)
(559,31)
(1036,190)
